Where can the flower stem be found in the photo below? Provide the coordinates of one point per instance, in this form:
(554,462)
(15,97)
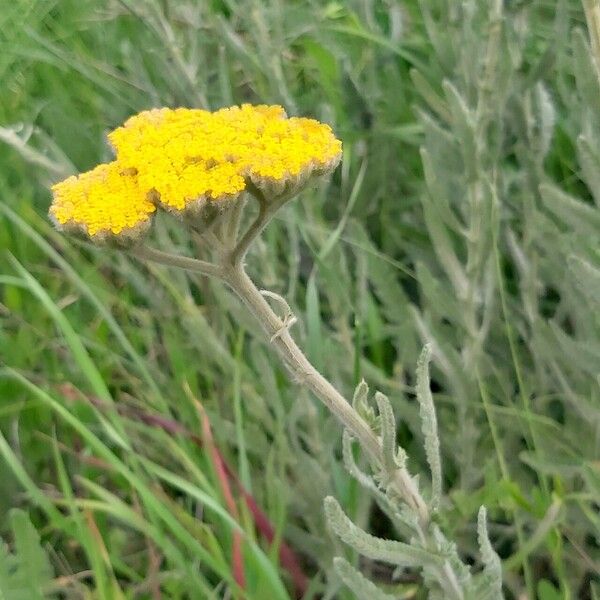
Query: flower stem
(306,374)
(232,272)
(261,221)
(174,260)
(266,210)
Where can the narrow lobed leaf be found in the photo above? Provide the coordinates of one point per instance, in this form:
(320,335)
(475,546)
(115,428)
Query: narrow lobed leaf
(429,425)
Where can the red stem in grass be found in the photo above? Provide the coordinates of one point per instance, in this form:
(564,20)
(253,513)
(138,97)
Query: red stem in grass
(287,557)
(237,556)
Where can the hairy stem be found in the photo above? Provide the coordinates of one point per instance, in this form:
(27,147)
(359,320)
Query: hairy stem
(261,221)
(266,210)
(173,260)
(306,374)
(232,272)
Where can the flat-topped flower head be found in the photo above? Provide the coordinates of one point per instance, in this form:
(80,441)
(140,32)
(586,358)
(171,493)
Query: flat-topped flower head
(191,157)
(103,204)
(185,160)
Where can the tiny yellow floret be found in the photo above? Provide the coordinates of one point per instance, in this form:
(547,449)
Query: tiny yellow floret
(106,201)
(189,157)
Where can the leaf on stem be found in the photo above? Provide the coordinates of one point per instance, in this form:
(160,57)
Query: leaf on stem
(357,582)
(390,551)
(491,584)
(393,457)
(429,425)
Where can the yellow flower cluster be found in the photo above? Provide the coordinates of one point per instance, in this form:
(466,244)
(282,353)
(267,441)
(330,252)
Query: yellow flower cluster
(184,159)
(105,200)
(190,156)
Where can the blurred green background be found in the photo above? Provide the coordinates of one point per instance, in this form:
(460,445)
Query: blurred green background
(466,214)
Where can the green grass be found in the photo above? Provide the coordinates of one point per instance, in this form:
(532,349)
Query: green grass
(466,213)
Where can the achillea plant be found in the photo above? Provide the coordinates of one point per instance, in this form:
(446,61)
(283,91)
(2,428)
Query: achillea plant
(205,167)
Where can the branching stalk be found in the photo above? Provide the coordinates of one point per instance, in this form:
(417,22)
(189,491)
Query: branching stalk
(173,260)
(229,267)
(276,329)
(261,221)
(305,373)
(266,211)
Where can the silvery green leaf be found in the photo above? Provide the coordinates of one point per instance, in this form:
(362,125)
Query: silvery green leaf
(587,277)
(444,247)
(444,149)
(545,117)
(351,466)
(429,425)
(403,518)
(357,582)
(574,213)
(390,551)
(433,99)
(586,76)
(491,584)
(447,548)
(463,124)
(360,395)
(439,190)
(388,432)
(590,166)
